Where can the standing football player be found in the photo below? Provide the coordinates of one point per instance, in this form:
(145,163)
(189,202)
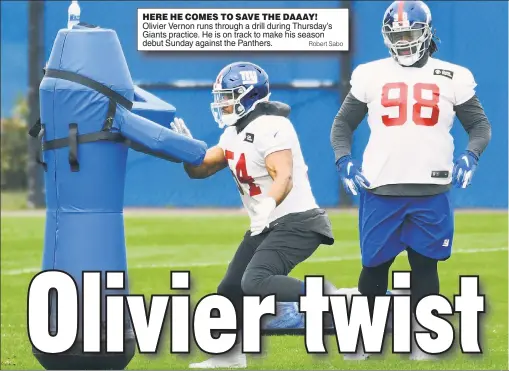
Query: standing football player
(411,99)
(262,150)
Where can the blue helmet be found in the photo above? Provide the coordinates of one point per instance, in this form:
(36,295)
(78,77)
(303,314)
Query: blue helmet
(407,31)
(238,88)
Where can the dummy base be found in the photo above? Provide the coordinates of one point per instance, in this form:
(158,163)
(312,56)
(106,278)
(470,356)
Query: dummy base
(75,359)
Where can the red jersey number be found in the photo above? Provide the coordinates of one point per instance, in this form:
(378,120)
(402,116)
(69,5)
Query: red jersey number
(241,175)
(401,101)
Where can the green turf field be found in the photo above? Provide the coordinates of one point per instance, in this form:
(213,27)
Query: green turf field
(204,244)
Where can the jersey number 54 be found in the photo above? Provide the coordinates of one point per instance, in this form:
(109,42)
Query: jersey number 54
(402,103)
(242,175)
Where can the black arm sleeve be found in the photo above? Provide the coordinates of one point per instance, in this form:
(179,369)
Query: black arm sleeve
(471,115)
(350,115)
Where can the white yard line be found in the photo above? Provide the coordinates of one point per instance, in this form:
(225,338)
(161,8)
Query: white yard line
(215,212)
(16,272)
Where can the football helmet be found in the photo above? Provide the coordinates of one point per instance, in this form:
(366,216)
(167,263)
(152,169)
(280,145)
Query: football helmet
(238,88)
(407,31)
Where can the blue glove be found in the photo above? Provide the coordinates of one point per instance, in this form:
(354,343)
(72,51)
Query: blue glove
(351,175)
(464,169)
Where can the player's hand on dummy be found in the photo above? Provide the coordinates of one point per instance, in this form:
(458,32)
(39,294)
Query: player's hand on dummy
(178,125)
(464,169)
(261,216)
(351,175)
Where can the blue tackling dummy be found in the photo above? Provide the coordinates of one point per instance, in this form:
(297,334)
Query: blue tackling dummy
(87,124)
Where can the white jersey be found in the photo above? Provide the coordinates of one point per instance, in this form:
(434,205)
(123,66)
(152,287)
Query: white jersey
(410,115)
(246,153)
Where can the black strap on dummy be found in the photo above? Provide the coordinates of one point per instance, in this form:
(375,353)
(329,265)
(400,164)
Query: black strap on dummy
(38,131)
(74,138)
(72,141)
(73,147)
(92,84)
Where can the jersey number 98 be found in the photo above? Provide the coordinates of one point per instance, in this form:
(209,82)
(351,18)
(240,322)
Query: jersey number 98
(401,101)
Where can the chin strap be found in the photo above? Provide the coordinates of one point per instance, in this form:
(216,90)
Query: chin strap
(433,47)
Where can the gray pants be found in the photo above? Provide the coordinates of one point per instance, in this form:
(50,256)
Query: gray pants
(262,263)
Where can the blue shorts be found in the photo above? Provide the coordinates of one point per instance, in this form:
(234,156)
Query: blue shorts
(389,225)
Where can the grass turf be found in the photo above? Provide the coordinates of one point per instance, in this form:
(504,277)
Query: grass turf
(13,200)
(204,244)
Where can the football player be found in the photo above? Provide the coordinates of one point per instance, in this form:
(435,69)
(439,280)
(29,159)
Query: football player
(407,171)
(260,147)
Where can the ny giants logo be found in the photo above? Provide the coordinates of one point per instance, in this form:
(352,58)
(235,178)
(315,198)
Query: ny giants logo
(248,77)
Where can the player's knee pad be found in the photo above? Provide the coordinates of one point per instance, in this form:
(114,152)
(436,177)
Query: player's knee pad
(374,280)
(253,282)
(421,264)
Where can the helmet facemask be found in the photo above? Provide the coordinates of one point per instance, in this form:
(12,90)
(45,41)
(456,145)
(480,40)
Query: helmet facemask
(407,44)
(227,108)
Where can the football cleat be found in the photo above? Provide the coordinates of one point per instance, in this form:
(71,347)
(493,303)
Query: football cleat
(232,359)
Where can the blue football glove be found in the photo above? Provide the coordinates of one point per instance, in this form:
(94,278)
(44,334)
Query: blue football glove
(351,175)
(464,169)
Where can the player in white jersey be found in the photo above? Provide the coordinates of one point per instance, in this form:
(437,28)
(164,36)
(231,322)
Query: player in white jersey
(404,183)
(262,150)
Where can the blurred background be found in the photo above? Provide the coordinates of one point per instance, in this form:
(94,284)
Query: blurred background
(473,34)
